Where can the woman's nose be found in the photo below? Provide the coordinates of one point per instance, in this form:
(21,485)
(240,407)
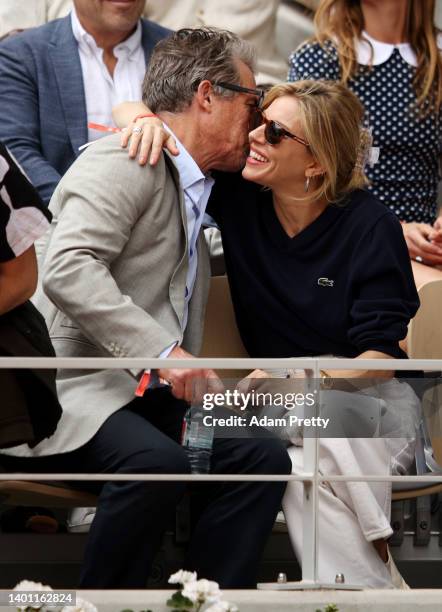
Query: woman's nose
(257,135)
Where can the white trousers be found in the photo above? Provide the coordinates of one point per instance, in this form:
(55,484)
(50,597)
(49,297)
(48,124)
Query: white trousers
(353,514)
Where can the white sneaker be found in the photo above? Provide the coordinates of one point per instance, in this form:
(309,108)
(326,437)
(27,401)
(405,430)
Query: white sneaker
(396,576)
(80,519)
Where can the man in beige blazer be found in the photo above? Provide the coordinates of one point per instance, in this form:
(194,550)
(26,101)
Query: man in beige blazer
(125,274)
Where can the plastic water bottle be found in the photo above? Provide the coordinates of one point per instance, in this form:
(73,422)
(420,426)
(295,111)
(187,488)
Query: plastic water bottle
(197,440)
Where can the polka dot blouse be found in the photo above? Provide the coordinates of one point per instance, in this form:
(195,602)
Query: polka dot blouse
(407,174)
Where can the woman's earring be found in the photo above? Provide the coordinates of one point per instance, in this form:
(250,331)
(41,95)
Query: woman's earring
(307,184)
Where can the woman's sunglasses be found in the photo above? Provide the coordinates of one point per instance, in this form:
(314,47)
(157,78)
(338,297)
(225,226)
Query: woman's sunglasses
(273,132)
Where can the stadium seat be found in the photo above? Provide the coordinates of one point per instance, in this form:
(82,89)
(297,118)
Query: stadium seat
(26,493)
(425,330)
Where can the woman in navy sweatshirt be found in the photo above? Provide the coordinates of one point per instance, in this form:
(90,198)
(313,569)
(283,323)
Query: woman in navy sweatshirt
(317,266)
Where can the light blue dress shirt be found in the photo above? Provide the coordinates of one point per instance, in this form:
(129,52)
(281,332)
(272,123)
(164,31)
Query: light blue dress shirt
(196,187)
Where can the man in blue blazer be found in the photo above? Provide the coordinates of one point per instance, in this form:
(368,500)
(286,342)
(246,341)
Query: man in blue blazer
(52,76)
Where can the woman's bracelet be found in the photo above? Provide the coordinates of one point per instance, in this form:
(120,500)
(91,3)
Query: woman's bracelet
(143,116)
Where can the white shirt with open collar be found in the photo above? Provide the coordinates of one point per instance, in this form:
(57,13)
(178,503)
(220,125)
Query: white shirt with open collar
(102,92)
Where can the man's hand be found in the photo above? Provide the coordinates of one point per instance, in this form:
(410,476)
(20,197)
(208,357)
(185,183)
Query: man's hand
(419,237)
(190,384)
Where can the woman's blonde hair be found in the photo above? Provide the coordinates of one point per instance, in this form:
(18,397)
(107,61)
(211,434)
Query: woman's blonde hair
(331,117)
(342,21)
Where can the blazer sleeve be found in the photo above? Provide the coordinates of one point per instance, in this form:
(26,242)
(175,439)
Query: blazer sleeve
(385,298)
(98,202)
(19,114)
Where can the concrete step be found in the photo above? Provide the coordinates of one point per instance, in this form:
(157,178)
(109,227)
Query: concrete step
(281,601)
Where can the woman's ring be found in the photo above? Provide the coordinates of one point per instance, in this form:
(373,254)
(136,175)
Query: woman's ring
(137,129)
(419,259)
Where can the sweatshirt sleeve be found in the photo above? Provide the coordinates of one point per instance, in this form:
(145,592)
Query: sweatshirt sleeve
(385,298)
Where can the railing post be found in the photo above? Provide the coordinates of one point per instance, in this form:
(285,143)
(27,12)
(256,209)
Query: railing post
(309,563)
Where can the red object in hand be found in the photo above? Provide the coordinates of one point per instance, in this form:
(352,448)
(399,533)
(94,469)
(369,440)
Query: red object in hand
(143,384)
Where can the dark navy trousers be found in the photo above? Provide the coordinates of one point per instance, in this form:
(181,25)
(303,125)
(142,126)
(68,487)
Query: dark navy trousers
(231,520)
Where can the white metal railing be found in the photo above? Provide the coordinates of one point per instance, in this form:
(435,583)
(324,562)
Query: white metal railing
(310,477)
(314,363)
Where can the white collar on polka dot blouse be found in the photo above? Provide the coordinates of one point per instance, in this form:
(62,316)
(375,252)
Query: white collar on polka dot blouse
(382,51)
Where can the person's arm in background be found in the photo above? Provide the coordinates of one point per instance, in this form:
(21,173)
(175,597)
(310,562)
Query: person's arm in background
(21,14)
(19,115)
(24,220)
(436,235)
(424,241)
(18,280)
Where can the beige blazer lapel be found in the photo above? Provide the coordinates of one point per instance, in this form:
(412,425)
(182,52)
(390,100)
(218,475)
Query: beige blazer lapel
(178,280)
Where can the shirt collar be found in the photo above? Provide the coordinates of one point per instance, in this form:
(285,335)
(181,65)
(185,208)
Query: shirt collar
(189,171)
(381,51)
(87,42)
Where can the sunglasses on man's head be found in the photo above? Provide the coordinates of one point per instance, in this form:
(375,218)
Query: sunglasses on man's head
(274,132)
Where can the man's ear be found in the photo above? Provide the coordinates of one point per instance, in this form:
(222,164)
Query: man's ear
(204,95)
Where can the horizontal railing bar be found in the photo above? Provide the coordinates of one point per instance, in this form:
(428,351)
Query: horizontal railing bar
(435,479)
(303,477)
(92,363)
(379,364)
(111,363)
(160,477)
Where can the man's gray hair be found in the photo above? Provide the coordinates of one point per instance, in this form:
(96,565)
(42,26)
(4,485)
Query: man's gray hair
(180,62)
